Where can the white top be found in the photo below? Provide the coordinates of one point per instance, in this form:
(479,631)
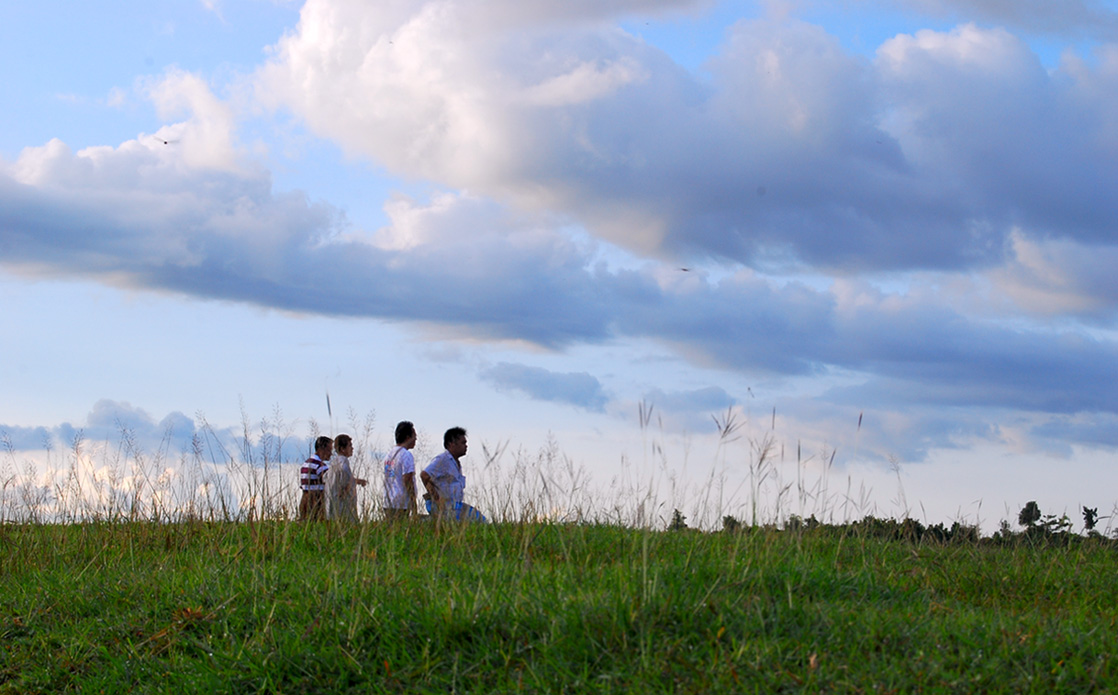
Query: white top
(447,476)
(341,489)
(398,464)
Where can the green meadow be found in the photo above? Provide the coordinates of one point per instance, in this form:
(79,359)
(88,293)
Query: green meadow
(198,606)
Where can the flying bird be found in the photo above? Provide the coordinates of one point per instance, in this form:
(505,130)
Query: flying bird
(165,142)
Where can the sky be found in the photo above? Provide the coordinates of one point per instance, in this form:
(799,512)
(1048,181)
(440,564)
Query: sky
(878,236)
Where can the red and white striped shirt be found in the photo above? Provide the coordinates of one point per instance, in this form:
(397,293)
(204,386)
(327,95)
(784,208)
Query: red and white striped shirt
(310,475)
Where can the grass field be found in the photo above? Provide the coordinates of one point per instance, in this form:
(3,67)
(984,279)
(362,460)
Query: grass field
(284,607)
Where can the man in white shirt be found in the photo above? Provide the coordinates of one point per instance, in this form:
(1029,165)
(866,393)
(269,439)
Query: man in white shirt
(399,475)
(445,483)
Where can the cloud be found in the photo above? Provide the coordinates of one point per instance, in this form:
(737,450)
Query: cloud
(213,6)
(110,421)
(578,389)
(929,351)
(697,410)
(1058,277)
(116,430)
(1068,18)
(1097,431)
(206,140)
(552,145)
(23,438)
(705,400)
(926,157)
(139,216)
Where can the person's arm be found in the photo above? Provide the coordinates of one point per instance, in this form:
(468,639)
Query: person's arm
(429,484)
(409,488)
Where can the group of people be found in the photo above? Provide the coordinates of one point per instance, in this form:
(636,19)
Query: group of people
(329,487)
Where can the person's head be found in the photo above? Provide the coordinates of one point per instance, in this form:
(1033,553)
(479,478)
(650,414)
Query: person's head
(324,447)
(343,444)
(455,442)
(405,431)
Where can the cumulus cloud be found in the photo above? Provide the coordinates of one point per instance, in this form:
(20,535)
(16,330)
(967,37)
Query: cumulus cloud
(951,151)
(137,216)
(110,421)
(206,140)
(1067,18)
(926,157)
(22,438)
(579,389)
(131,432)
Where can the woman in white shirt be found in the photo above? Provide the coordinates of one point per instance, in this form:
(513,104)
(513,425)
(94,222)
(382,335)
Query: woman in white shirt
(341,484)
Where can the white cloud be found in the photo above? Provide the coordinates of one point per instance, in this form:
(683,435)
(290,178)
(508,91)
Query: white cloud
(926,157)
(137,215)
(116,98)
(206,138)
(584,82)
(949,150)
(109,421)
(1069,18)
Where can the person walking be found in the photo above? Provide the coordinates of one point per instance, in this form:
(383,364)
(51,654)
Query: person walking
(341,483)
(312,505)
(399,475)
(445,482)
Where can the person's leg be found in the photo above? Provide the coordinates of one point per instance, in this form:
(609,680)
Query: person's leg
(465,512)
(391,514)
(440,510)
(317,504)
(349,509)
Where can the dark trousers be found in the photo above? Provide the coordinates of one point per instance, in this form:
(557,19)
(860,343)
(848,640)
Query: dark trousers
(312,506)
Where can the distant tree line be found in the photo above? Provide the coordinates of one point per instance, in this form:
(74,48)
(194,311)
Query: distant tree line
(1036,527)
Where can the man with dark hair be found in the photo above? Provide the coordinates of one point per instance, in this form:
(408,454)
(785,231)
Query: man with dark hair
(312,505)
(445,483)
(399,475)
(341,483)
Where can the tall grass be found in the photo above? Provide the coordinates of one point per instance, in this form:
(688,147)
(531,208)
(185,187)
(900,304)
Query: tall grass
(755,477)
(126,570)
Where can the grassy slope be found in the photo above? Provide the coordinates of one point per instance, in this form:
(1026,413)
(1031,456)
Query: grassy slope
(284,607)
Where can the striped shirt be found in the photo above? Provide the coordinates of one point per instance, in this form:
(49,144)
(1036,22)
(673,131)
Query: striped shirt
(310,475)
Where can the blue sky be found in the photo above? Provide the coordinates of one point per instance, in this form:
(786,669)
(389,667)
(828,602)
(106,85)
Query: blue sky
(527,218)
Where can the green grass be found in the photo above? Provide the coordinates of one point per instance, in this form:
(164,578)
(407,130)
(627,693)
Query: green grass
(283,607)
